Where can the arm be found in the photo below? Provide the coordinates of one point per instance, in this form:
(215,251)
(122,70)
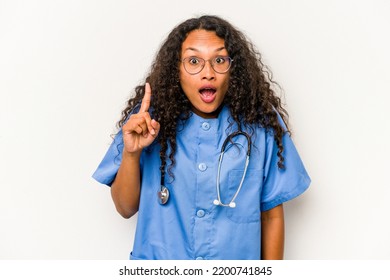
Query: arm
(138,132)
(125,190)
(272,233)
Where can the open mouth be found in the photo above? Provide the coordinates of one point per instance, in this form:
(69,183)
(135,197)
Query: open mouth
(207,94)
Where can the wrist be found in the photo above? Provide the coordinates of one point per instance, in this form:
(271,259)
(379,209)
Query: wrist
(131,155)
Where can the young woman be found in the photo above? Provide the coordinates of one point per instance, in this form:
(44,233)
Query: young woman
(204,153)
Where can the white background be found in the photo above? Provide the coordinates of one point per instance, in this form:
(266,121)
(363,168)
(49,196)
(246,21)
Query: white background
(68,67)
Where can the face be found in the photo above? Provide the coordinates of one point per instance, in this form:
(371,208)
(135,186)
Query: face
(205,90)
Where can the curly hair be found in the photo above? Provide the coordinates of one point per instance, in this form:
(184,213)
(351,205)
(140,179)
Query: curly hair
(250,97)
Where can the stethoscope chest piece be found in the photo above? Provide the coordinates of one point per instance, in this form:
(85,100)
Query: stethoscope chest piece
(163,195)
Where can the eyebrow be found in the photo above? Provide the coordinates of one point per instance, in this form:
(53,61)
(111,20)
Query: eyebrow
(196,50)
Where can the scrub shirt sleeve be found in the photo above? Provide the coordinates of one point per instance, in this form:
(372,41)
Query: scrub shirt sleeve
(282,185)
(108,167)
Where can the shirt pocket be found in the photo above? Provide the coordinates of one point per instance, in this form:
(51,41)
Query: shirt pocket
(247,208)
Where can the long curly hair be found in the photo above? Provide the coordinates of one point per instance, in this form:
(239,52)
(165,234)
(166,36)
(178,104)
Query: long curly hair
(251,96)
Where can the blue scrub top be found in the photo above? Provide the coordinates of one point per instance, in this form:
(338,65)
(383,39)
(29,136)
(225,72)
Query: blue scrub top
(190,226)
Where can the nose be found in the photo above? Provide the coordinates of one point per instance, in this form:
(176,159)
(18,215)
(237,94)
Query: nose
(208,71)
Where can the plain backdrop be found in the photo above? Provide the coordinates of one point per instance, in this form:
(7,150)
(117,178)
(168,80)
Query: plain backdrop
(68,67)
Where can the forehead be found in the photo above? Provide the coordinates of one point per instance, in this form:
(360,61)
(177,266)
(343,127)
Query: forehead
(202,40)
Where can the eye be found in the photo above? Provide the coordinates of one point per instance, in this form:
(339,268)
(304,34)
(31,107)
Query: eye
(220,60)
(193,60)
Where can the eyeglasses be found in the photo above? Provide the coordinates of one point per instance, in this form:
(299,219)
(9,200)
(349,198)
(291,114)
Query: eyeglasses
(193,65)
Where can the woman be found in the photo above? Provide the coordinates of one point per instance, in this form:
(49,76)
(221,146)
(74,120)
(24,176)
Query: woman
(204,154)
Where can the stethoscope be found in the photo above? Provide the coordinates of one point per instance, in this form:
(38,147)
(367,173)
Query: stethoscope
(163,193)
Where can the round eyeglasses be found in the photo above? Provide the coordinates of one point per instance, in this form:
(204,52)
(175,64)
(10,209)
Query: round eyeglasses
(193,65)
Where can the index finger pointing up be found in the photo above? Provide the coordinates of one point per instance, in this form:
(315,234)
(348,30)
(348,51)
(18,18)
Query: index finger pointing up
(146,100)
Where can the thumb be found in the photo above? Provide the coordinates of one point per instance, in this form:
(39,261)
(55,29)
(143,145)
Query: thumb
(156,126)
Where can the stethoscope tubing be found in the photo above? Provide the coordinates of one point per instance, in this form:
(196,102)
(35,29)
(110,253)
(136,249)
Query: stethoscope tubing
(218,201)
(231,204)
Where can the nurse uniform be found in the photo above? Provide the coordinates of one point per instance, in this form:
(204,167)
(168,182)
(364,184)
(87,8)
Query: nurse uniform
(190,226)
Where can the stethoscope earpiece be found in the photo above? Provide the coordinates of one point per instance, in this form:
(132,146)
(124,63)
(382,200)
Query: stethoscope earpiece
(216,202)
(232,204)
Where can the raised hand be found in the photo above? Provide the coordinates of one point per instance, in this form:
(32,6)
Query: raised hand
(140,130)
